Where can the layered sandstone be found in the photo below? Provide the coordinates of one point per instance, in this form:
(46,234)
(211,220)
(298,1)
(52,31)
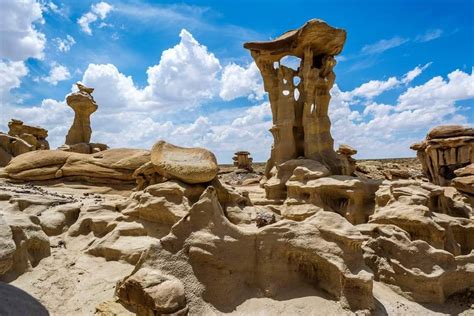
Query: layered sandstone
(299,98)
(21,138)
(445,149)
(109,166)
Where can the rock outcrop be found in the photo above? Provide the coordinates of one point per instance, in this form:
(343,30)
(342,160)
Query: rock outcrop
(21,138)
(206,243)
(190,165)
(35,136)
(109,166)
(420,271)
(445,149)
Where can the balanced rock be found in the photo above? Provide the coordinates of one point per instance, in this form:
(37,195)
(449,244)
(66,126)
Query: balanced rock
(83,105)
(190,165)
(445,149)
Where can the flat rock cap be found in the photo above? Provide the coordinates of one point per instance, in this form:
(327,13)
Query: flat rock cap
(320,36)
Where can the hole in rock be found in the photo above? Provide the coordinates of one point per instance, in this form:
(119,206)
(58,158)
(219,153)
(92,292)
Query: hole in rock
(292,62)
(313,108)
(296,94)
(276,65)
(296,80)
(286,92)
(285,81)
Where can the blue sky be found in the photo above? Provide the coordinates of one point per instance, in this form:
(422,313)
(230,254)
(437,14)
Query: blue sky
(178,71)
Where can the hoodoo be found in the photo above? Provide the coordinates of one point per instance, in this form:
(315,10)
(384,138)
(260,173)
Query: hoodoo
(300,98)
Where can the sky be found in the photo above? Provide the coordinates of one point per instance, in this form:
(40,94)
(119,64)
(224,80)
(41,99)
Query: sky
(178,70)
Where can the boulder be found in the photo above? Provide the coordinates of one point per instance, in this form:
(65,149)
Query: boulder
(190,165)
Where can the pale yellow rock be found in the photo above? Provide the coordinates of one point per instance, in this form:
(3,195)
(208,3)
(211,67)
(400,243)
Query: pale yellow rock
(83,105)
(445,149)
(301,125)
(7,247)
(201,251)
(190,165)
(113,165)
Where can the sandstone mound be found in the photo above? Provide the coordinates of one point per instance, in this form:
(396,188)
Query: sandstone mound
(109,166)
(190,165)
(323,250)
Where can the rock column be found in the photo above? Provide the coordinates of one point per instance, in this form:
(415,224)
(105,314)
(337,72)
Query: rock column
(83,105)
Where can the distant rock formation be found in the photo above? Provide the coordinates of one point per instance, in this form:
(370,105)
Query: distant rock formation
(79,135)
(21,138)
(35,136)
(300,98)
(242,160)
(445,149)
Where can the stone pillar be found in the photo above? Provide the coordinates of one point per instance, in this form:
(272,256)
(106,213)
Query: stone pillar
(243,161)
(83,105)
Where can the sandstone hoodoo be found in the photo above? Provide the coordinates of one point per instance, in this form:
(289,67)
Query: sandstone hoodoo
(79,135)
(242,160)
(83,104)
(300,97)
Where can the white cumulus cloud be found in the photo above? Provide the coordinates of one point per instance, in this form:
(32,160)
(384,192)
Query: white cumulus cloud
(11,73)
(56,74)
(240,81)
(98,11)
(64,45)
(20,39)
(186,72)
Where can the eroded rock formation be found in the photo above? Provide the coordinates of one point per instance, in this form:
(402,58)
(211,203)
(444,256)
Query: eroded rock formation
(35,136)
(445,149)
(79,135)
(109,166)
(83,104)
(300,98)
(242,160)
(190,165)
(21,138)
(183,242)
